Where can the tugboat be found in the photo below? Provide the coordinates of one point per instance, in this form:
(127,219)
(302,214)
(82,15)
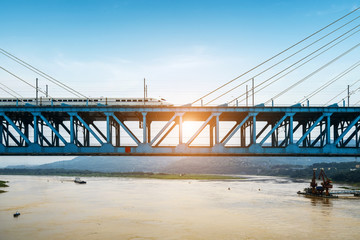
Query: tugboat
(78,180)
(318,191)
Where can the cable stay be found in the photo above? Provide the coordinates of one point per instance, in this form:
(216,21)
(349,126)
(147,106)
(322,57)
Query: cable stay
(276,64)
(342,93)
(14,93)
(27,83)
(350,93)
(327,49)
(39,72)
(322,87)
(276,55)
(313,73)
(10,93)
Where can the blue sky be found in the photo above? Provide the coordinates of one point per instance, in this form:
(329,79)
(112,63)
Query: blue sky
(183,48)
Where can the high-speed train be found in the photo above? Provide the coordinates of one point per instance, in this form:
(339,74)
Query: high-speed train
(43,101)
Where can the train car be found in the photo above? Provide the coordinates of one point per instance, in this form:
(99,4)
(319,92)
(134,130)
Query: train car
(83,102)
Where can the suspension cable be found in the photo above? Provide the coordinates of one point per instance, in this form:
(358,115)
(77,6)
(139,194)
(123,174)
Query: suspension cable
(278,54)
(313,73)
(9,89)
(12,74)
(300,64)
(342,92)
(274,65)
(322,87)
(10,93)
(37,71)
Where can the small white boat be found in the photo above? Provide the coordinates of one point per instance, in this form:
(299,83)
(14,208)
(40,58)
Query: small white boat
(78,180)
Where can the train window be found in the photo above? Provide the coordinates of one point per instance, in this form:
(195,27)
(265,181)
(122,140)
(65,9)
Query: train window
(128,100)
(95,100)
(117,100)
(123,100)
(146,100)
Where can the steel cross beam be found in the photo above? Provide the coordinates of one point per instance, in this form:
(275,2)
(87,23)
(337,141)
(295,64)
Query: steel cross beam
(127,130)
(311,128)
(201,128)
(225,140)
(165,127)
(275,127)
(347,130)
(15,127)
(87,127)
(51,127)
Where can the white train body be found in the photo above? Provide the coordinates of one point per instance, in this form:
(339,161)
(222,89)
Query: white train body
(83,102)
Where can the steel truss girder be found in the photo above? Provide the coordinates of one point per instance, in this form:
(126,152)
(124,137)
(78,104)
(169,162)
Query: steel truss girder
(45,120)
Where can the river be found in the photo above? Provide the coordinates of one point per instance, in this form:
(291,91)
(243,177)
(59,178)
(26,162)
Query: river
(54,207)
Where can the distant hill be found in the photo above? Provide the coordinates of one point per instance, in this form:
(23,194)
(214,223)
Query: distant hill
(110,164)
(206,165)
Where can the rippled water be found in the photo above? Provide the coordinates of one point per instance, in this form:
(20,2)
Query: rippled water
(124,208)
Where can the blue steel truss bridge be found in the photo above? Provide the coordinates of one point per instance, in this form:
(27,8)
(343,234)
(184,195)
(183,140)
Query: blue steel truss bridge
(226,131)
(47,125)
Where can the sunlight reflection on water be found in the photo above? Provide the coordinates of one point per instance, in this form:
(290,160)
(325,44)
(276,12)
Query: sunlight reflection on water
(125,208)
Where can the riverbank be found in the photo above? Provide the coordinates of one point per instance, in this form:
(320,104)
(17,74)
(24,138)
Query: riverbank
(3,185)
(82,173)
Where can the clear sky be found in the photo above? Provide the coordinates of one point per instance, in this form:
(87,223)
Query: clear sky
(183,48)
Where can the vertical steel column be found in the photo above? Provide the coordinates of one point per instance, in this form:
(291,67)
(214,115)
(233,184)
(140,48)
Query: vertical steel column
(117,134)
(1,132)
(36,131)
(254,130)
(217,138)
(108,127)
(144,128)
(211,135)
(56,143)
(7,134)
(71,129)
(149,131)
(328,130)
(42,133)
(242,136)
(180,129)
(26,129)
(291,130)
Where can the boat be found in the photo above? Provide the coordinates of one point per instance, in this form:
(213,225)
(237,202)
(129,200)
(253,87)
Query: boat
(319,191)
(78,180)
(309,192)
(16,214)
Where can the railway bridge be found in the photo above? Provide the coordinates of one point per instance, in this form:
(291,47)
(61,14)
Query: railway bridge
(83,126)
(163,131)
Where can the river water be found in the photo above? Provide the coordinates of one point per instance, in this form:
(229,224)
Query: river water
(54,207)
